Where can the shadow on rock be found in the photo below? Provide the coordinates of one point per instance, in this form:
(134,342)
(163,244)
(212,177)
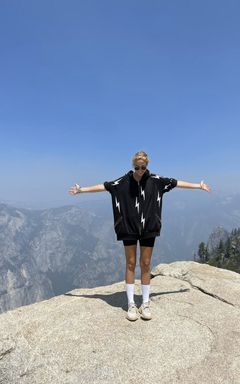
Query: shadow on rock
(119,299)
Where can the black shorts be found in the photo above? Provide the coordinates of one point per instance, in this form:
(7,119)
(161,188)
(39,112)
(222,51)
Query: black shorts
(143,242)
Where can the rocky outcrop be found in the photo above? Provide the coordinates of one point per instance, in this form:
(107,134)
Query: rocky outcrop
(218,234)
(84,336)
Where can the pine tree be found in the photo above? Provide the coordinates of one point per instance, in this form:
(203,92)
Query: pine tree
(202,252)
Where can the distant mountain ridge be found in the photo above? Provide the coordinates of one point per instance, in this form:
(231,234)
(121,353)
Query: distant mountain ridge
(47,252)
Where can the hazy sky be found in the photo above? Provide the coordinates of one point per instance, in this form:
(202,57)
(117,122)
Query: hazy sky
(86,84)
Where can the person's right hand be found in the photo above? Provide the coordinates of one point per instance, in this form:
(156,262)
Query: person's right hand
(74,190)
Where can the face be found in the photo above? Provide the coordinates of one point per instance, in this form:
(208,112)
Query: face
(140,163)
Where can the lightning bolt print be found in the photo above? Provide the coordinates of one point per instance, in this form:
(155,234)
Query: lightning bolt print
(143,193)
(117,204)
(137,204)
(143,220)
(158,199)
(155,177)
(117,181)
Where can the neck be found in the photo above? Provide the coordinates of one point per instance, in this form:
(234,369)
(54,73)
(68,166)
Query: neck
(136,177)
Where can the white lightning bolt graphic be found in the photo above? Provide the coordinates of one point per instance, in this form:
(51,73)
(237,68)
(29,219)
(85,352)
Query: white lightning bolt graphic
(158,199)
(143,193)
(143,220)
(117,181)
(156,177)
(137,204)
(117,204)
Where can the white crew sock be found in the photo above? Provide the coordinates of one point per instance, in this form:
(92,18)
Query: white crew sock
(130,292)
(145,292)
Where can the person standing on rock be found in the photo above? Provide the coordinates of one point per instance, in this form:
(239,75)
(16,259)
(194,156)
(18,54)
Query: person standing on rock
(137,205)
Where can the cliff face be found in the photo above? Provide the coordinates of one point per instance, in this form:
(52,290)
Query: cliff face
(21,282)
(46,253)
(83,336)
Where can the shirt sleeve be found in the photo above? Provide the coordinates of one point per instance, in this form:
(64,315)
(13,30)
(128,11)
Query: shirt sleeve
(110,185)
(107,185)
(168,183)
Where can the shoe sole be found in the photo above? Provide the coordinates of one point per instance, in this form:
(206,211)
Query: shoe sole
(131,319)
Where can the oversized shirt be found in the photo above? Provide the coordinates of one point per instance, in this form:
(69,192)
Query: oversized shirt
(137,205)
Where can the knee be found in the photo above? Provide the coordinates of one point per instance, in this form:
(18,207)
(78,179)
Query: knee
(131,265)
(145,265)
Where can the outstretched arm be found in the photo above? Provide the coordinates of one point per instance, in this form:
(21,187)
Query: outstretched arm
(94,188)
(201,185)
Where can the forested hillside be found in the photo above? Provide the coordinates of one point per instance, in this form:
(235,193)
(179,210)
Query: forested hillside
(222,250)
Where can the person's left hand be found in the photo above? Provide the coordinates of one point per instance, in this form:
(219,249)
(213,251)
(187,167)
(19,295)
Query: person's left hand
(205,187)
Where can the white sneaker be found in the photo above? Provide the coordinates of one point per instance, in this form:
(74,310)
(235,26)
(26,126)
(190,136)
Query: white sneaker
(132,313)
(145,312)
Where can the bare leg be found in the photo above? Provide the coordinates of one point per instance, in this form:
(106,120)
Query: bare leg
(145,262)
(130,253)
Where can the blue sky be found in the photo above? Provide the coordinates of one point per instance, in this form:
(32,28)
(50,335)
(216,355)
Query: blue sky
(86,84)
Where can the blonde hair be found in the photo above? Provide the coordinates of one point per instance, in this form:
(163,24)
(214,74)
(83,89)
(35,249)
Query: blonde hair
(141,155)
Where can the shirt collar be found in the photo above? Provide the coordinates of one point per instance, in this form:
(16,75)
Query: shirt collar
(144,177)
